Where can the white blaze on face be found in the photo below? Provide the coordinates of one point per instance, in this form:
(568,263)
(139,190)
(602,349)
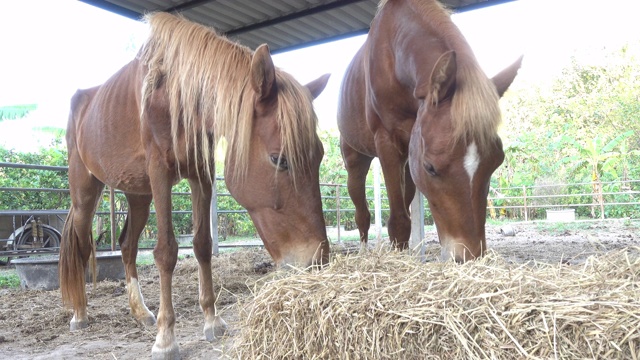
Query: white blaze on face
(471,160)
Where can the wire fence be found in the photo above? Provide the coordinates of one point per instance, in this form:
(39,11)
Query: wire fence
(616,199)
(599,200)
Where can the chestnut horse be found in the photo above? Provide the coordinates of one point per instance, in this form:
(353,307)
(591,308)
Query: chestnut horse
(156,121)
(415,97)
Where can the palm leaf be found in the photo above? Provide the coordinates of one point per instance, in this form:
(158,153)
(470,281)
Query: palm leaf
(613,143)
(16,111)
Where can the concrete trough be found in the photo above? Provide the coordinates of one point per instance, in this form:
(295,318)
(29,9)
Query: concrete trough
(562,215)
(41,272)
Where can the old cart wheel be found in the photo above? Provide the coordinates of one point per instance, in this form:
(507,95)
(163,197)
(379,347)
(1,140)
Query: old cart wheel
(50,239)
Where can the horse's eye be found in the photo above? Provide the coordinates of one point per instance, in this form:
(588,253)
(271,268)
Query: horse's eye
(428,167)
(280,161)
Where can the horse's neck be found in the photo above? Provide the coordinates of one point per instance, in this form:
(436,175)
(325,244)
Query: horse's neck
(417,48)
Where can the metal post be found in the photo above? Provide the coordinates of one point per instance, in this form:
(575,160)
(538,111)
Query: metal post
(416,242)
(338,211)
(213,216)
(524,195)
(112,216)
(377,196)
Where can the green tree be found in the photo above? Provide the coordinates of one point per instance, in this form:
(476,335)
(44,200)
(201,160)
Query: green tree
(595,157)
(24,178)
(587,100)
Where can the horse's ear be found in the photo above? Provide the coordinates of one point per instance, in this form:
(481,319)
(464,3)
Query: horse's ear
(317,85)
(263,72)
(504,78)
(442,80)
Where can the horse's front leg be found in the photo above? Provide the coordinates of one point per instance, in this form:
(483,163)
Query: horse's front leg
(166,257)
(137,217)
(214,325)
(393,160)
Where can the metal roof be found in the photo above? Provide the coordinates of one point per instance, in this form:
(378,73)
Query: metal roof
(283,24)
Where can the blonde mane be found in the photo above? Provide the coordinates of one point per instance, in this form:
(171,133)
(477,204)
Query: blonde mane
(207,82)
(298,123)
(475,112)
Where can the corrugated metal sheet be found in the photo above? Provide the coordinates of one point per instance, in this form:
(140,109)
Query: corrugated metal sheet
(283,24)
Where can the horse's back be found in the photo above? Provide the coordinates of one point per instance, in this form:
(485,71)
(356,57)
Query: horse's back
(79,103)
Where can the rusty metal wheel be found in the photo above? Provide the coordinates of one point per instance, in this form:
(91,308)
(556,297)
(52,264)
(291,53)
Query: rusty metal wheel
(50,239)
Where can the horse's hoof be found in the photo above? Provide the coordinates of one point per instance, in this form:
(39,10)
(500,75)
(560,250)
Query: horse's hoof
(172,353)
(148,321)
(75,325)
(364,249)
(217,330)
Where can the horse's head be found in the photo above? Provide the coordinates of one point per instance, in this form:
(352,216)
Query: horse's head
(280,188)
(453,168)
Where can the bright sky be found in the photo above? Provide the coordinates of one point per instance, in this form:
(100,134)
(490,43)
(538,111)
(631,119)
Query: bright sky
(65,45)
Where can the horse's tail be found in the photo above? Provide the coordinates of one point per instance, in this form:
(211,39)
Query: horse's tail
(72,266)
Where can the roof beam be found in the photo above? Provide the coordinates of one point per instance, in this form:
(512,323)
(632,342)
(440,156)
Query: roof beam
(117,9)
(480,5)
(292,16)
(187,5)
(320,41)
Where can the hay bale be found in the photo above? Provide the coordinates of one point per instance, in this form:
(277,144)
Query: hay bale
(387,305)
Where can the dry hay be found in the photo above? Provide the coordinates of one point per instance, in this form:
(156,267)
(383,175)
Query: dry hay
(388,305)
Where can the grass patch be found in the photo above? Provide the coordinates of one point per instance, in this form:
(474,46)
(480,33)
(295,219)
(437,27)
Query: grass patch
(9,279)
(499,222)
(146,258)
(562,227)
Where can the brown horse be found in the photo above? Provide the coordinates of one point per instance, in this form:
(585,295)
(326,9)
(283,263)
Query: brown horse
(415,97)
(156,121)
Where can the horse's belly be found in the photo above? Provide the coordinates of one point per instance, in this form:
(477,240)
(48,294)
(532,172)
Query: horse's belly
(354,128)
(121,165)
(127,175)
(131,179)
(361,140)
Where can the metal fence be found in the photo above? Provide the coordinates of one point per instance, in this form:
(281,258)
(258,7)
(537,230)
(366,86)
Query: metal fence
(111,213)
(610,199)
(607,199)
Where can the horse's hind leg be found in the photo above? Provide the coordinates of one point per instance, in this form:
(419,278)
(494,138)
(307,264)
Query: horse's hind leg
(214,326)
(357,166)
(76,245)
(137,217)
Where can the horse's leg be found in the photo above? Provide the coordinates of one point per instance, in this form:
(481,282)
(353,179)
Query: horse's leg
(357,166)
(76,246)
(201,190)
(166,257)
(137,217)
(394,168)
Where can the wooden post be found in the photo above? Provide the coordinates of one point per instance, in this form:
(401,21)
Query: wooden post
(338,211)
(377,199)
(214,214)
(112,216)
(416,243)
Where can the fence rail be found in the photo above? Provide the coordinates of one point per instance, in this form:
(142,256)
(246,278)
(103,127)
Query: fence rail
(614,199)
(602,199)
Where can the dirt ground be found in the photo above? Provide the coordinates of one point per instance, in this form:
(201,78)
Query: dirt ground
(34,325)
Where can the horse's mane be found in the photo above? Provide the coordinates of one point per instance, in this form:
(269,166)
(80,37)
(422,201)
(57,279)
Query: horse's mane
(207,81)
(475,111)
